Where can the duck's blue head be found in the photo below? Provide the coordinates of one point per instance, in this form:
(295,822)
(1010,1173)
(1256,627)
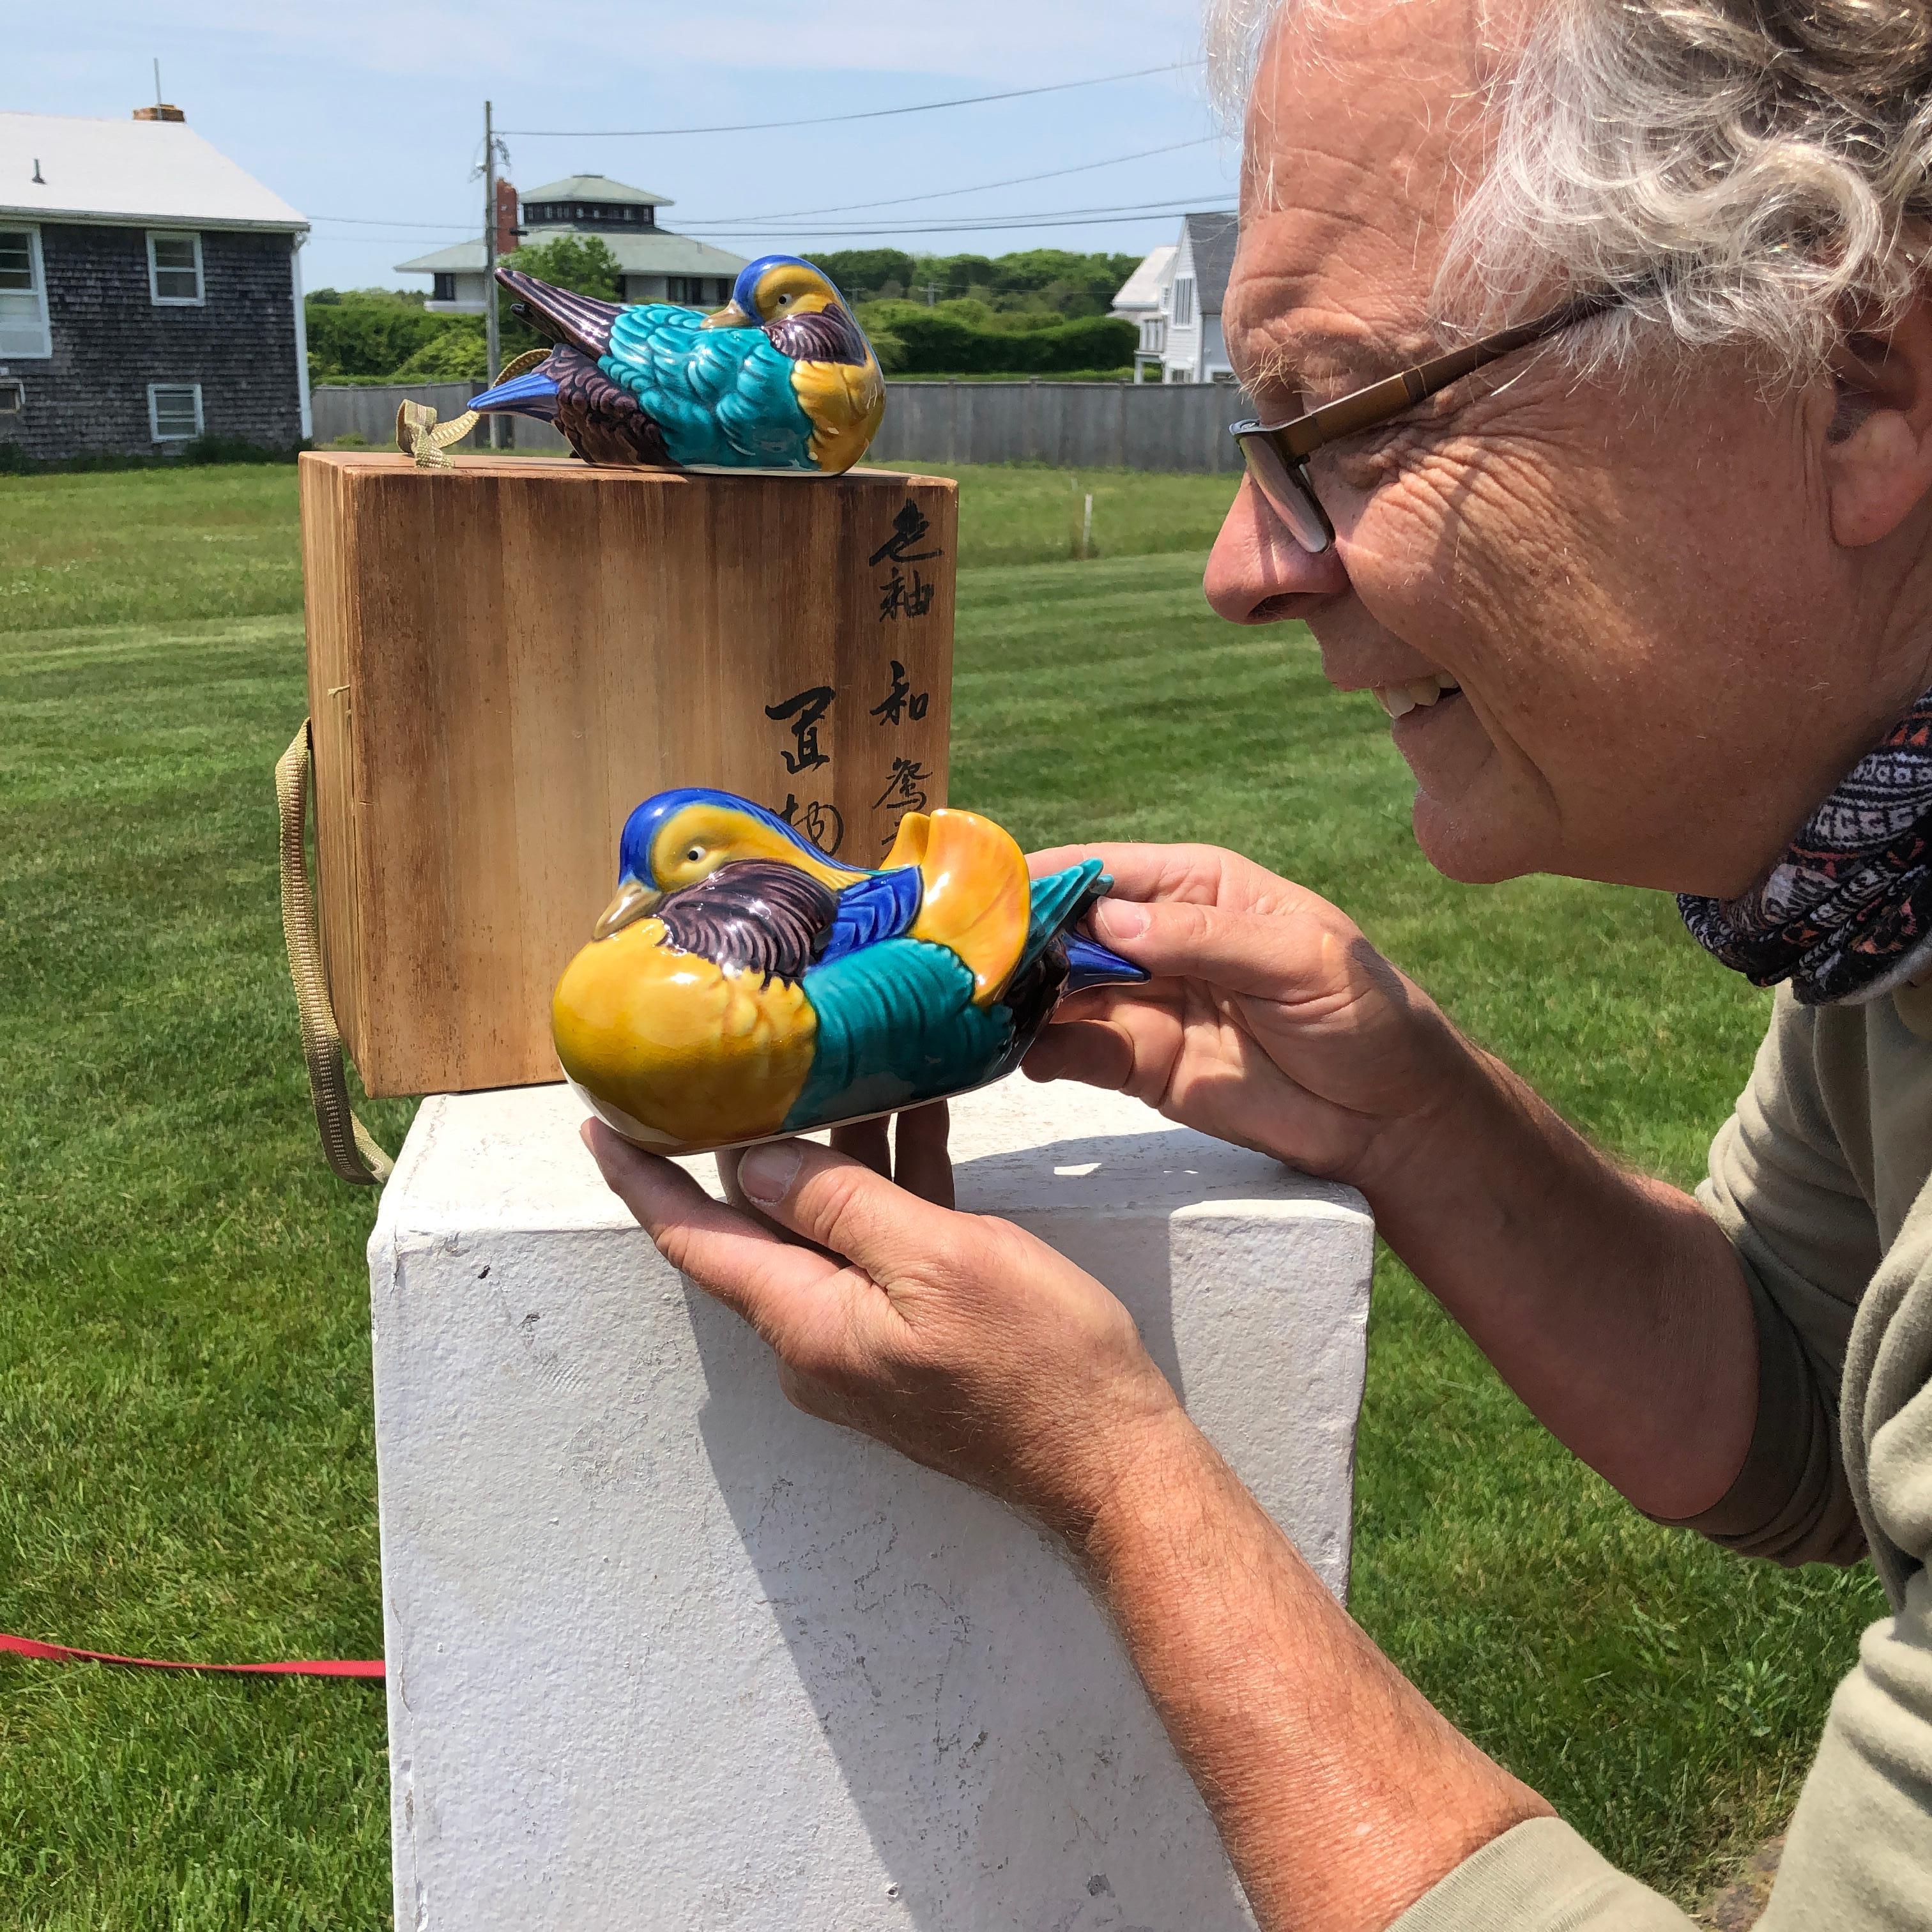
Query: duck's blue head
(676,838)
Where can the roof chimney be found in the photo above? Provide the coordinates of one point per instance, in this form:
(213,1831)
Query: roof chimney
(161,111)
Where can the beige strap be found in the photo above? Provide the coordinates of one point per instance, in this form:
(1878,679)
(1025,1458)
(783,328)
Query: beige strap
(346,1143)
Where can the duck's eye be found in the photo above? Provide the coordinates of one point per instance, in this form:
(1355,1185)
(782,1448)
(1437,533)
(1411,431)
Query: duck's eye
(783,300)
(696,852)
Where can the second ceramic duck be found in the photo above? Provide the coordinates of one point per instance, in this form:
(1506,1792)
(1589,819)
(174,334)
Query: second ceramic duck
(742,985)
(781,378)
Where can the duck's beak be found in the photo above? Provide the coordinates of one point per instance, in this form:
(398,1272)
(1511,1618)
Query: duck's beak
(729,316)
(634,901)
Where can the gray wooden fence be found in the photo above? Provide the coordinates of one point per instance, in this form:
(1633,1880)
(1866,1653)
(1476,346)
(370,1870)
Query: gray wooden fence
(1067,425)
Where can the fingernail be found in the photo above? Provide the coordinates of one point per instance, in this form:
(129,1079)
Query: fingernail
(1120,919)
(766,1173)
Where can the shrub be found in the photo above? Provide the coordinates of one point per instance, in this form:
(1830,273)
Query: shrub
(457,353)
(940,342)
(367,333)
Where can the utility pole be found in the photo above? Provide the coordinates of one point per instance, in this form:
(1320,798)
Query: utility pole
(491,347)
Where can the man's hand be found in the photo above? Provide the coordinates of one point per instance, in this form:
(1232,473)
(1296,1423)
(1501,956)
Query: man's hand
(975,1349)
(1270,1020)
(961,1341)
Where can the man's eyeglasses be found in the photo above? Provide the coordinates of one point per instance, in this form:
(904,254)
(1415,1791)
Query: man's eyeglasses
(1277,454)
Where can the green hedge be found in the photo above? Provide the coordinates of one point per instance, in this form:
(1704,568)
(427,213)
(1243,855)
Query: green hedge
(925,342)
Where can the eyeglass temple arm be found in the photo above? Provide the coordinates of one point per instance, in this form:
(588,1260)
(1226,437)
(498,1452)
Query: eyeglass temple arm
(1381,400)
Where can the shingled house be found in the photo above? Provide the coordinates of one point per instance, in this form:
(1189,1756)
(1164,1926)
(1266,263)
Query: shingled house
(655,264)
(150,292)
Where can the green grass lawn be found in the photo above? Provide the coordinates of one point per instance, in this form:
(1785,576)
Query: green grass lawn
(184,1362)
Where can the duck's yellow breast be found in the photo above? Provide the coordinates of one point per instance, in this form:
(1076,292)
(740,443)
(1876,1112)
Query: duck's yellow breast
(846,402)
(701,1054)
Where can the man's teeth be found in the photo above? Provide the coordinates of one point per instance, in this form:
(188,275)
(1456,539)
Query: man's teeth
(1399,700)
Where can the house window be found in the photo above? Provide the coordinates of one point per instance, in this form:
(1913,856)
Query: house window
(174,411)
(174,268)
(1154,335)
(1184,302)
(23,295)
(13,397)
(446,288)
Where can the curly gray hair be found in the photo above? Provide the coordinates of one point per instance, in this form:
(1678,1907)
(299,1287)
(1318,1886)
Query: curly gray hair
(1743,169)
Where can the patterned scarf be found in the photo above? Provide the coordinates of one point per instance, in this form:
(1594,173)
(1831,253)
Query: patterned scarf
(1845,915)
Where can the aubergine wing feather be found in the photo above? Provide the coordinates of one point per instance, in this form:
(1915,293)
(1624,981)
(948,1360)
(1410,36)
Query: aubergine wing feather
(827,336)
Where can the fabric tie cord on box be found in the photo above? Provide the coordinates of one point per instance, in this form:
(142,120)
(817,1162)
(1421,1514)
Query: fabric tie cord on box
(62,1653)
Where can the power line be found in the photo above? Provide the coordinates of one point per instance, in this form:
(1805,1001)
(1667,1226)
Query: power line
(823,120)
(964,224)
(396,221)
(1017,221)
(979,187)
(1181,202)
(722,223)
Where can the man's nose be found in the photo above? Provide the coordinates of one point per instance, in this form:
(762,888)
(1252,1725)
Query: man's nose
(1258,574)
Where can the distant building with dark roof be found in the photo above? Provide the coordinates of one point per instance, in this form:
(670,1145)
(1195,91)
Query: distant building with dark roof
(656,264)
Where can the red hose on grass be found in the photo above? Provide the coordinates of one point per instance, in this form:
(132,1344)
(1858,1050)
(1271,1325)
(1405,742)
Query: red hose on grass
(62,1653)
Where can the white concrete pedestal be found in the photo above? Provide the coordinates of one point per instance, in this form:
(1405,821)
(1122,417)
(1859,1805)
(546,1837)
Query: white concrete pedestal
(665,1653)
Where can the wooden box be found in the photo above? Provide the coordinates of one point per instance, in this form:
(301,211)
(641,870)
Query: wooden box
(505,657)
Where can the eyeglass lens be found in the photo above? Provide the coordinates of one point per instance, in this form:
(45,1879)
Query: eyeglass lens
(1287,493)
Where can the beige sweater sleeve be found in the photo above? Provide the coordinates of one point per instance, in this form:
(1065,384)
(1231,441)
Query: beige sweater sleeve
(1541,1877)
(1782,1189)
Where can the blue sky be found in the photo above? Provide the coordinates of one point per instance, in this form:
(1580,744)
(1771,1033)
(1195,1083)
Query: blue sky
(367,116)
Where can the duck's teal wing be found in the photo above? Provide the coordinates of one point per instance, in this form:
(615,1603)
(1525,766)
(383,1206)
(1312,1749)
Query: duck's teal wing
(1058,900)
(722,397)
(896,1025)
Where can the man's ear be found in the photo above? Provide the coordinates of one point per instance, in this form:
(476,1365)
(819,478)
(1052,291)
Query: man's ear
(1878,447)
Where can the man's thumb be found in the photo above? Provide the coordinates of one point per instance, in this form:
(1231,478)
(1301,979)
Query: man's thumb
(842,1205)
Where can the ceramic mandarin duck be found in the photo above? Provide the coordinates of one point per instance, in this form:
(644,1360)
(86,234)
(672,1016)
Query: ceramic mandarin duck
(742,985)
(780,378)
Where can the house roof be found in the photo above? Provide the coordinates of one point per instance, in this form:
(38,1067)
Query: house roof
(594,187)
(649,252)
(1142,289)
(158,172)
(1211,239)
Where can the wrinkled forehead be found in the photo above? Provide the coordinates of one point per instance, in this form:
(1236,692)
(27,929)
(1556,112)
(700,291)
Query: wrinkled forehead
(1365,125)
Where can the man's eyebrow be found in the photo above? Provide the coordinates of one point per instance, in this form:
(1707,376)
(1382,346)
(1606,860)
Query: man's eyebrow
(1287,364)
(1350,360)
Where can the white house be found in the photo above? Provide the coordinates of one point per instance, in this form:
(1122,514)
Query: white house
(1203,258)
(150,291)
(657,265)
(1143,300)
(1181,330)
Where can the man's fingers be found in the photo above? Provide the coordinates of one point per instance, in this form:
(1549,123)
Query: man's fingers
(1270,957)
(775,1284)
(867,1140)
(921,1164)
(1091,1051)
(1142,871)
(842,1205)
